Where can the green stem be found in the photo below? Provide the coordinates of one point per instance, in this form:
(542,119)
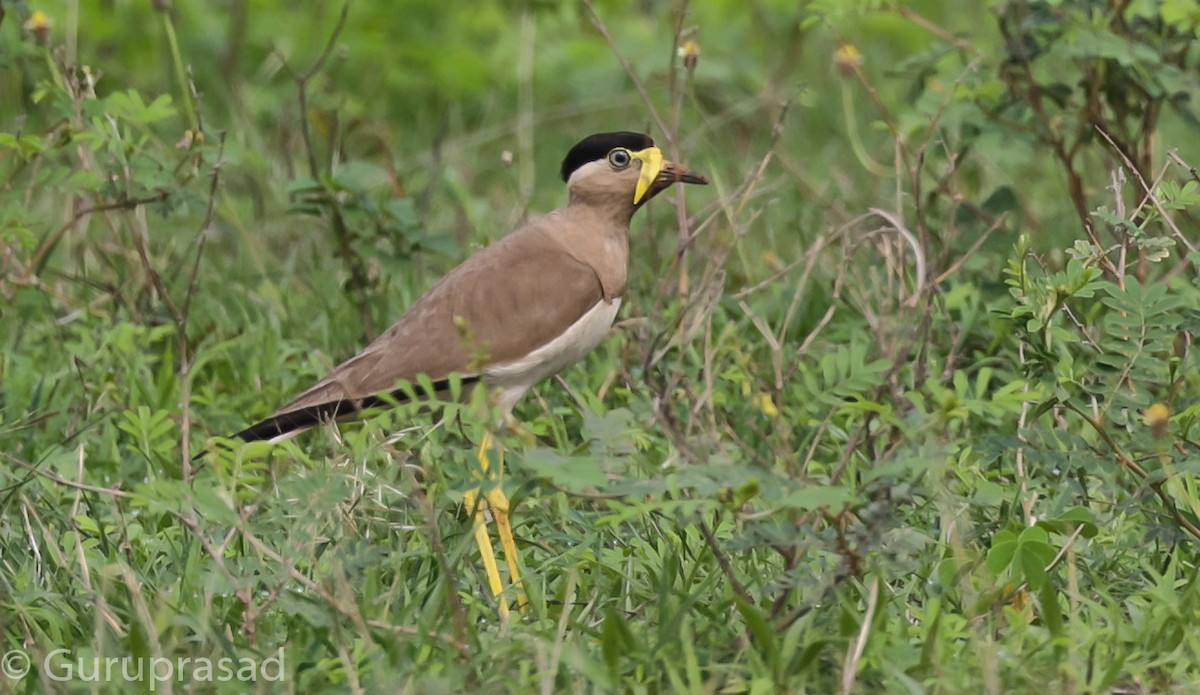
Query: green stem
(54,71)
(180,74)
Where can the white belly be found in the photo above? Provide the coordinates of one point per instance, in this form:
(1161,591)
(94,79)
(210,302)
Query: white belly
(516,377)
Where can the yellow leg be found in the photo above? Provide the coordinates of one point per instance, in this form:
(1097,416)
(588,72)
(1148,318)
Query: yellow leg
(484,541)
(498,504)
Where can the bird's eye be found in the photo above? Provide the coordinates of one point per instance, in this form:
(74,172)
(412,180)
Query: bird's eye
(619,158)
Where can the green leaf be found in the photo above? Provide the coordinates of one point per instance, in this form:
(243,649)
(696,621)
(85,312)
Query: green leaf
(571,473)
(760,628)
(403,212)
(1033,534)
(814,497)
(1073,518)
(213,508)
(87,524)
(303,184)
(1002,200)
(1000,556)
(359,176)
(1030,566)
(615,640)
(130,106)
(1050,609)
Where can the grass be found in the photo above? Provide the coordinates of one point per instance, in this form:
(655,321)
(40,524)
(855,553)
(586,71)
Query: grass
(902,402)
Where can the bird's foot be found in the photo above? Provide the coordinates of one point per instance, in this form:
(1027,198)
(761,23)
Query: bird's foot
(497,503)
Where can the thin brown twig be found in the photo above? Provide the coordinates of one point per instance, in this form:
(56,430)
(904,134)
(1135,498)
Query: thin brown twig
(625,64)
(1149,192)
(938,31)
(1174,155)
(40,256)
(59,480)
(336,604)
(302,86)
(341,231)
(742,195)
(854,654)
(676,97)
(439,551)
(966,256)
(914,171)
(1066,156)
(726,566)
(1127,462)
(185,362)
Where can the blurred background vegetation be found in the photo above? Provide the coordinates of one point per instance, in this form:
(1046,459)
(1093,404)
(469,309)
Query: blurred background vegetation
(902,402)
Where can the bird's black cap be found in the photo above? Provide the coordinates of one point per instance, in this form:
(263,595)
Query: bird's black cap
(598,146)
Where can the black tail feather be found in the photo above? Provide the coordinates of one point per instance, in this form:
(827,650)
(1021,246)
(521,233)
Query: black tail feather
(313,415)
(304,418)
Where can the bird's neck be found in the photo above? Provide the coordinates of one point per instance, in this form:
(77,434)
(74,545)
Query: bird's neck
(599,236)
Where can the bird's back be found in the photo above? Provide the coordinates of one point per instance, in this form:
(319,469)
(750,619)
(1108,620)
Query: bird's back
(512,296)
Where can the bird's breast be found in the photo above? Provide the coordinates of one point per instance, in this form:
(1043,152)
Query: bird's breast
(516,377)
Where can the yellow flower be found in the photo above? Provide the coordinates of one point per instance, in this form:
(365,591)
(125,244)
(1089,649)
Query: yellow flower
(1157,417)
(38,24)
(763,403)
(690,52)
(847,58)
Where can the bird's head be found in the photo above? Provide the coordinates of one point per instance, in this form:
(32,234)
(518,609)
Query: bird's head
(621,168)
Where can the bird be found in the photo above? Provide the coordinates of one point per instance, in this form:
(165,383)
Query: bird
(513,314)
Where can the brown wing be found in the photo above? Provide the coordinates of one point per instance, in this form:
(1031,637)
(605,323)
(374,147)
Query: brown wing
(502,303)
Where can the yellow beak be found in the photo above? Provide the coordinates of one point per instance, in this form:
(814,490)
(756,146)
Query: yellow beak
(652,164)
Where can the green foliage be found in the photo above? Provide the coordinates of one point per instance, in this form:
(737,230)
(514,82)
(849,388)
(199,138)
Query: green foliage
(909,407)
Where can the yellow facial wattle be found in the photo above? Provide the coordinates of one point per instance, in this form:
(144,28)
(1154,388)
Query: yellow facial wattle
(652,164)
